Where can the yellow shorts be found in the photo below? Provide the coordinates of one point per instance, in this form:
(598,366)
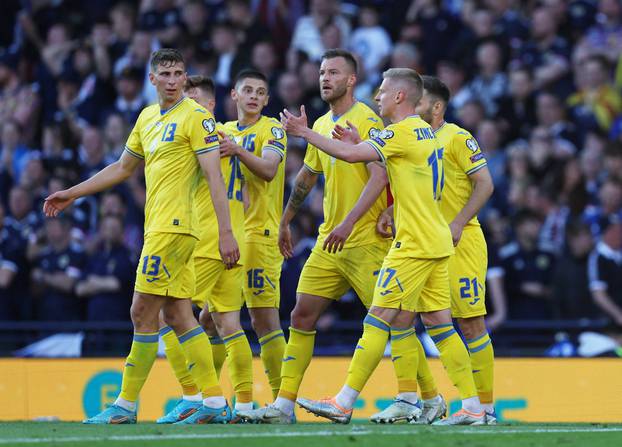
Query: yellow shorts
(413,284)
(262,264)
(467,275)
(166,267)
(220,288)
(331,275)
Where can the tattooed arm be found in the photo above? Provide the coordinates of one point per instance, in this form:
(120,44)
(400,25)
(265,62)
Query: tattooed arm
(305,181)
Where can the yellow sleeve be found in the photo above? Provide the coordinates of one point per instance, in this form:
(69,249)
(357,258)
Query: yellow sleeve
(466,153)
(370,127)
(312,160)
(276,140)
(386,144)
(133,146)
(202,134)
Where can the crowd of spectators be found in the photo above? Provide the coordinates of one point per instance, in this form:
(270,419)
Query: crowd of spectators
(537,82)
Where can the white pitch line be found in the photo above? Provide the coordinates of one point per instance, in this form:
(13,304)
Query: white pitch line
(294,434)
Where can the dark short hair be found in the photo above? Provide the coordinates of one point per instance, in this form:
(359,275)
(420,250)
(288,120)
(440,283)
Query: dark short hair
(167,57)
(249,73)
(204,83)
(437,88)
(340,52)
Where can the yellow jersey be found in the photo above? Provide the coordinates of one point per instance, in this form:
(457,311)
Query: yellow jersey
(462,157)
(414,162)
(169,141)
(266,198)
(207,247)
(344,182)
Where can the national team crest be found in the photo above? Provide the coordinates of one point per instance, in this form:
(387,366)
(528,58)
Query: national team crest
(278,133)
(209,125)
(472,145)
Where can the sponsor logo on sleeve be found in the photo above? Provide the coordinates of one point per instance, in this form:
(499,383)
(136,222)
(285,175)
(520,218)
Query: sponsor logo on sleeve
(476,157)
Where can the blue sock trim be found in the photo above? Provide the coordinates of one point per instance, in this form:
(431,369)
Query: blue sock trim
(165,330)
(440,337)
(146,338)
(402,336)
(190,334)
(261,343)
(372,320)
(233,336)
(216,340)
(479,348)
(439,326)
(473,340)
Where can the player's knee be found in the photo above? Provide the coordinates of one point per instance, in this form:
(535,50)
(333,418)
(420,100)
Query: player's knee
(303,318)
(205,319)
(472,327)
(141,318)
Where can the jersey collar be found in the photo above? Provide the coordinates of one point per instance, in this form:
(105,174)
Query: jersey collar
(440,127)
(335,118)
(163,111)
(241,128)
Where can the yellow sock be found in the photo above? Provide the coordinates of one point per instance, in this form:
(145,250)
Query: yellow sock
(177,359)
(405,359)
(296,359)
(368,351)
(199,360)
(425,379)
(219,353)
(272,349)
(240,363)
(455,358)
(138,364)
(482,361)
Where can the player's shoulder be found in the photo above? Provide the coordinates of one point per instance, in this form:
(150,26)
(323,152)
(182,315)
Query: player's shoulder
(363,112)
(460,135)
(272,127)
(149,111)
(319,122)
(230,125)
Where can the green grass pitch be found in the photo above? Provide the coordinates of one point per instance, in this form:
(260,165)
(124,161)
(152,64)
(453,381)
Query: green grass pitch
(302,435)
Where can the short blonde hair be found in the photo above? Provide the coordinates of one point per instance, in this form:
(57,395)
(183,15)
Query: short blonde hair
(410,78)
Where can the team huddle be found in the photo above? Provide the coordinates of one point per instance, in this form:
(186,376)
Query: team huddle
(216,235)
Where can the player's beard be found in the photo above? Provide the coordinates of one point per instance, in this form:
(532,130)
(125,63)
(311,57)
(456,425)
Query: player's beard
(426,115)
(338,92)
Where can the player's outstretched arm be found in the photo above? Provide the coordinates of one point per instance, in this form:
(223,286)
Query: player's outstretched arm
(297,125)
(111,175)
(376,184)
(264,167)
(210,165)
(482,190)
(304,183)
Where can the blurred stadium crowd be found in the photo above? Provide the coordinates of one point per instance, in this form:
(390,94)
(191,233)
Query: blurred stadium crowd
(538,83)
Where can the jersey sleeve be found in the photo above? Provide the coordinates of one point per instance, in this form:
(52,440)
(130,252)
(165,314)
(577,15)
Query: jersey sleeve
(202,134)
(312,160)
(134,146)
(385,143)
(467,153)
(370,126)
(276,140)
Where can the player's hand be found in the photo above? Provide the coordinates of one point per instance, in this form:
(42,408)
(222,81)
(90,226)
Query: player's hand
(456,232)
(337,238)
(227,147)
(285,241)
(385,226)
(229,251)
(57,202)
(348,134)
(294,125)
